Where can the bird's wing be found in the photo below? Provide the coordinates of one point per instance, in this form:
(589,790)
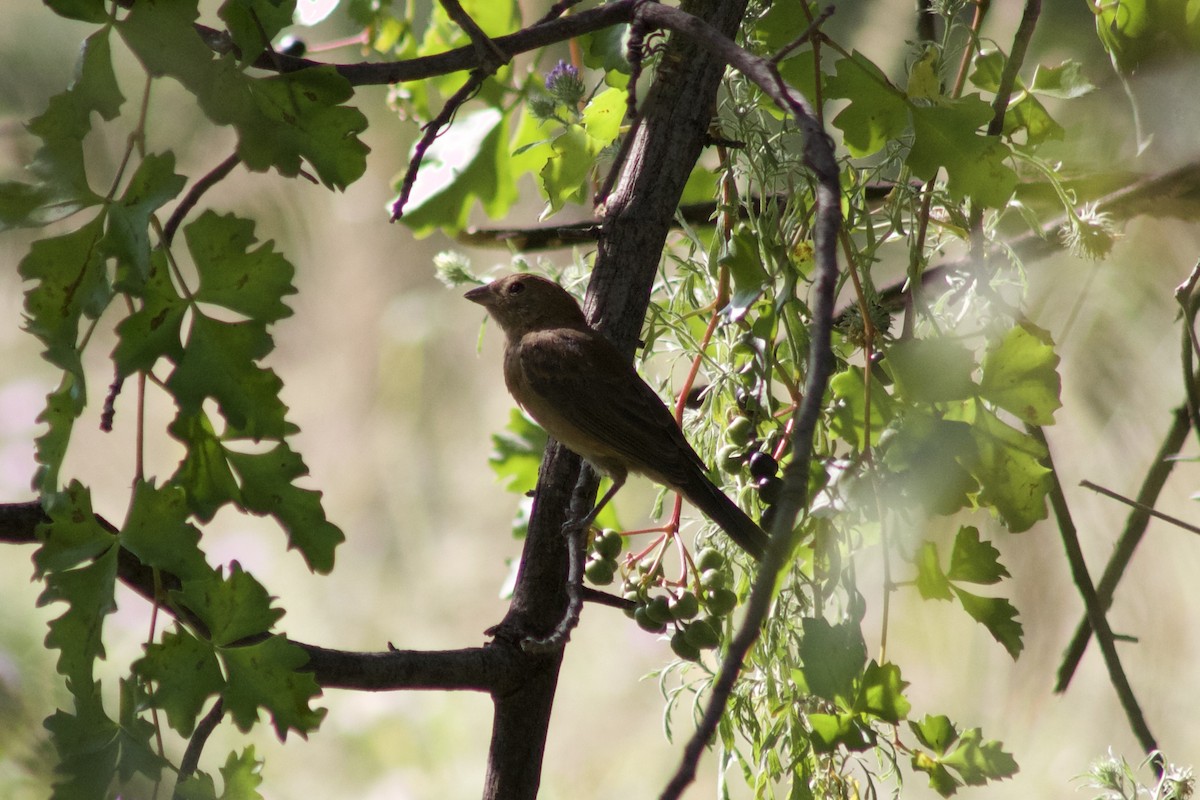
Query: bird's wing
(595,403)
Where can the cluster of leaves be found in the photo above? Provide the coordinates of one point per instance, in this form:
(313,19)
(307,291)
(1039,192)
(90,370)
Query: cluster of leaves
(192,322)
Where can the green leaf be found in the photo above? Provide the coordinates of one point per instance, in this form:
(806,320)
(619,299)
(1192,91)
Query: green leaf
(128,235)
(267,488)
(299,117)
(468,162)
(232,608)
(931,581)
(998,616)
(153,331)
(940,779)
(946,138)
(934,461)
(1066,81)
(833,657)
(979,761)
(73,535)
(63,406)
(157,532)
(1020,374)
(71,283)
(184,672)
(974,561)
(831,730)
(1010,471)
(878,111)
(219,361)
(517,452)
(932,370)
(204,472)
(935,732)
(88,592)
(265,675)
(254,23)
(281,120)
(249,281)
(741,257)
(243,776)
(566,175)
(881,693)
(95,85)
(849,408)
(84,10)
(88,747)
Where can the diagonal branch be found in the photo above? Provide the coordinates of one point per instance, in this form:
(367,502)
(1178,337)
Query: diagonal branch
(1131,536)
(1095,610)
(818,153)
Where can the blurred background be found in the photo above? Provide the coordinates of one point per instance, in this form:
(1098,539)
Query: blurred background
(397,395)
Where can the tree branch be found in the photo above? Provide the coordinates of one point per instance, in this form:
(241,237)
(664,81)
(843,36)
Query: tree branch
(1095,610)
(1131,536)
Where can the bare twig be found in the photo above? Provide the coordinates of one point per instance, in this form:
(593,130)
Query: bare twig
(191,756)
(1093,606)
(491,57)
(215,176)
(1131,536)
(1008,79)
(431,131)
(1176,521)
(812,28)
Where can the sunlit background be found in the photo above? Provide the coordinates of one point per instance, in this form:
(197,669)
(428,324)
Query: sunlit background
(397,397)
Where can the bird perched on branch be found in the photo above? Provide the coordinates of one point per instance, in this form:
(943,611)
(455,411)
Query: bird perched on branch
(587,396)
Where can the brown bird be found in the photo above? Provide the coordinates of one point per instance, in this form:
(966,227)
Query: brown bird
(580,389)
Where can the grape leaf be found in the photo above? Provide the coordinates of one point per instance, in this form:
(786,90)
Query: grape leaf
(71,283)
(932,370)
(878,111)
(1010,471)
(250,281)
(1020,374)
(233,608)
(185,673)
(945,137)
(157,532)
(204,472)
(219,361)
(265,674)
(267,488)
(73,535)
(881,693)
(973,560)
(127,236)
(153,331)
(998,616)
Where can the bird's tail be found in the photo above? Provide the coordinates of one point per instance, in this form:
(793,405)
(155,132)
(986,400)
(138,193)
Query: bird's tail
(702,493)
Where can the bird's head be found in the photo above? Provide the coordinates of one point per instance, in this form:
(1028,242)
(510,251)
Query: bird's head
(522,303)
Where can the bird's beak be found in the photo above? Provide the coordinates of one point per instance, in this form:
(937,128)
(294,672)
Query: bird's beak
(480,294)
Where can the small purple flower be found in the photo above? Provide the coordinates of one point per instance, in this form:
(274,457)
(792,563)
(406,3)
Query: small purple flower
(565,85)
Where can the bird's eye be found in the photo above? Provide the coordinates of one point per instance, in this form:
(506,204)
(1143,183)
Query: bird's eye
(516,287)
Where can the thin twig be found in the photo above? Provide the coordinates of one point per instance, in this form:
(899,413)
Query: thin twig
(1095,610)
(812,28)
(1176,521)
(432,130)
(215,176)
(1135,527)
(191,756)
(491,57)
